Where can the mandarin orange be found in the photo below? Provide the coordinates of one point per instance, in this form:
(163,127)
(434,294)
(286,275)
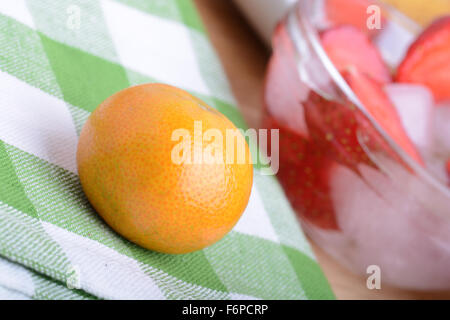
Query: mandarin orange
(127,170)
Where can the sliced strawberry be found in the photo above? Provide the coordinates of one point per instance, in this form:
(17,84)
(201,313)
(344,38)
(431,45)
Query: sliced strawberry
(350,12)
(304,174)
(377,103)
(349,48)
(448,169)
(307,188)
(427,61)
(333,129)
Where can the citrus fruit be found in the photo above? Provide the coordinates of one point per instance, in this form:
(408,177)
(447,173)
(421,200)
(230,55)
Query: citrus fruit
(127,169)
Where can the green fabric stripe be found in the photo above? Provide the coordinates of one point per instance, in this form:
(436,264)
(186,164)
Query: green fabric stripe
(87,82)
(11,190)
(255,267)
(28,51)
(45,287)
(226,109)
(56,20)
(281,214)
(79,116)
(181,290)
(193,267)
(15,54)
(23,240)
(189,15)
(59,198)
(210,67)
(22,55)
(48,289)
(310,275)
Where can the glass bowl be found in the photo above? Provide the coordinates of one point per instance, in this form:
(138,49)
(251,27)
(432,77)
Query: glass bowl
(358,194)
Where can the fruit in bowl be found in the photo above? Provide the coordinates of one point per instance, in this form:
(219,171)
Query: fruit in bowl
(366,169)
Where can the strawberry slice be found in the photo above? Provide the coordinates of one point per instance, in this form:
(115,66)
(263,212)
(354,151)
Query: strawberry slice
(304,174)
(448,169)
(349,48)
(334,125)
(378,104)
(427,61)
(333,129)
(350,12)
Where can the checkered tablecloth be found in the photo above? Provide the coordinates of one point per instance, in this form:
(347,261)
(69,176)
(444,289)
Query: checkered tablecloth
(58,61)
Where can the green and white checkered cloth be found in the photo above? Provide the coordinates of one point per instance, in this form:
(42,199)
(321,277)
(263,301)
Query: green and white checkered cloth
(58,61)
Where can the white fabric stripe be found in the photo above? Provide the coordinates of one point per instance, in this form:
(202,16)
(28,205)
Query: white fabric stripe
(16,278)
(103,271)
(240,296)
(17,9)
(154,46)
(8,294)
(281,216)
(106,273)
(255,221)
(37,122)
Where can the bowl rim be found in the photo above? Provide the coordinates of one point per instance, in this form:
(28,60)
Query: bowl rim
(298,18)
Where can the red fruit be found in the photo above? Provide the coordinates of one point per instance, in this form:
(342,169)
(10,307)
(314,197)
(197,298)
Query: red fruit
(304,174)
(350,12)
(379,106)
(448,169)
(349,48)
(428,60)
(333,129)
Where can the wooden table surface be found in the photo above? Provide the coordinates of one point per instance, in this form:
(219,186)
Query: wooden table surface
(244,59)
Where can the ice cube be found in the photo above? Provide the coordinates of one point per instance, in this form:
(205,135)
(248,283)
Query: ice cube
(386,227)
(441,130)
(439,153)
(394,40)
(435,164)
(414,104)
(285,93)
